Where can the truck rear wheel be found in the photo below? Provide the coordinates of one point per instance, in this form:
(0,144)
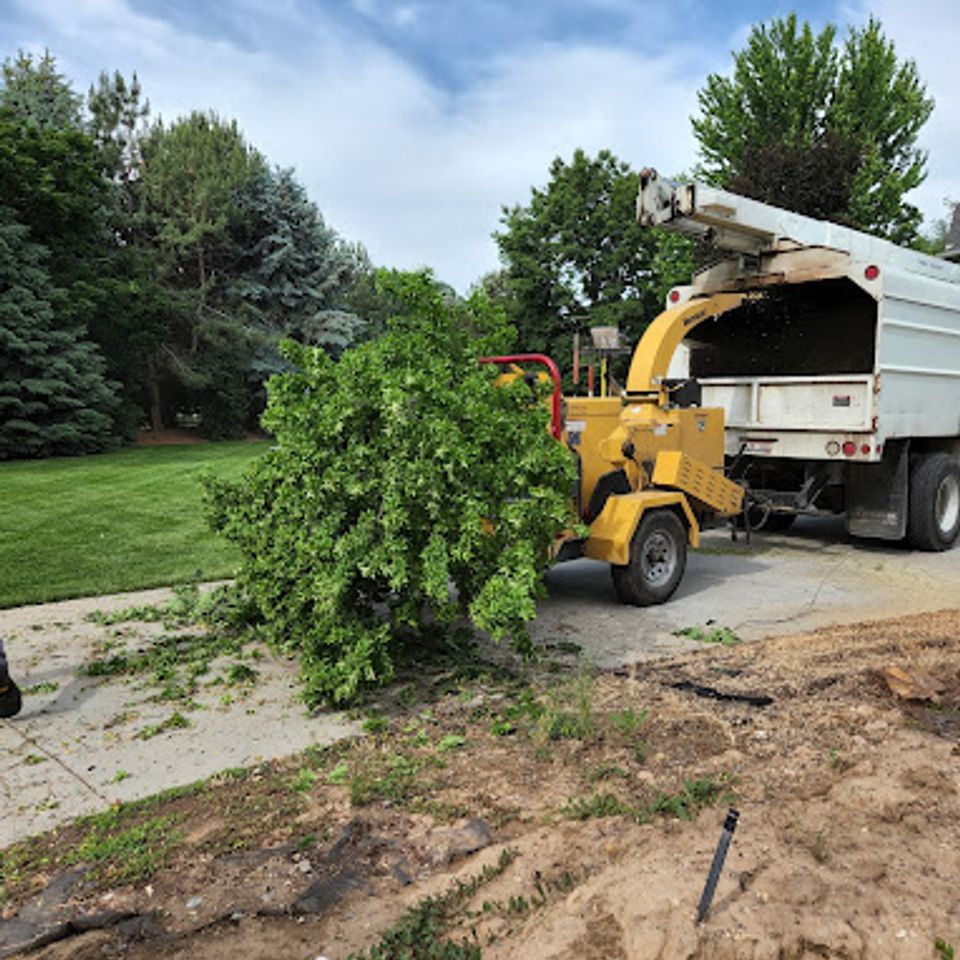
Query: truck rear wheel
(933,521)
(658,557)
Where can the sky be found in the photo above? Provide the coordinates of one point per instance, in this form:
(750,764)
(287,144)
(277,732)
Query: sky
(413,122)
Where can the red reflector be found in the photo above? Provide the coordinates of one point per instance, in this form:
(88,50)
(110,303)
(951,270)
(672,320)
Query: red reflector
(849,448)
(865,449)
(872,272)
(674,296)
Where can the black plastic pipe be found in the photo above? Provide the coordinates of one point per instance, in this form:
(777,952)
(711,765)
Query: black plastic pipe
(706,898)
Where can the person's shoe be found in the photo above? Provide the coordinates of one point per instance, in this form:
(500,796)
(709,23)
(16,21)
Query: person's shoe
(10,700)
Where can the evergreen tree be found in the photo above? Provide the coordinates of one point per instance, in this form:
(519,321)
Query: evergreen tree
(194,174)
(38,94)
(53,395)
(295,271)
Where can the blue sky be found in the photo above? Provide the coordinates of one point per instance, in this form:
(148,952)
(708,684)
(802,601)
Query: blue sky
(412,121)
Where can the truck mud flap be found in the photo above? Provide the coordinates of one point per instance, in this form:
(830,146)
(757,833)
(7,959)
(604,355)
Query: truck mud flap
(876,494)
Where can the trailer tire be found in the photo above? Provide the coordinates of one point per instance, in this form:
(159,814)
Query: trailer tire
(658,558)
(933,518)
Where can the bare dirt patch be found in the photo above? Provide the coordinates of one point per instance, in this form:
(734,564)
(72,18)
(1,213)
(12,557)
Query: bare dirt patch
(579,820)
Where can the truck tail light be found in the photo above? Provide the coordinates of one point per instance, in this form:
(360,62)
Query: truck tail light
(849,448)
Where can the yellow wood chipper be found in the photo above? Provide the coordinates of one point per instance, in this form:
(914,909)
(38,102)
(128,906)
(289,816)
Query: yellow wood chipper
(650,461)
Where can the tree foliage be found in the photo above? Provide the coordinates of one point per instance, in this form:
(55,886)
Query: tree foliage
(53,395)
(293,269)
(575,256)
(823,128)
(37,93)
(398,470)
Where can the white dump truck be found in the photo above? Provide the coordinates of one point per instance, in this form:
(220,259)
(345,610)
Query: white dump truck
(839,373)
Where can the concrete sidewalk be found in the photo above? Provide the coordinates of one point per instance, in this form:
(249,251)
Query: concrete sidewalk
(77,746)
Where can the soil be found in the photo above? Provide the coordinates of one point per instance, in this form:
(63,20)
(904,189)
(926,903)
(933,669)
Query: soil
(847,844)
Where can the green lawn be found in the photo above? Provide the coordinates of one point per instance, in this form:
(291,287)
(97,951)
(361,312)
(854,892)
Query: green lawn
(73,527)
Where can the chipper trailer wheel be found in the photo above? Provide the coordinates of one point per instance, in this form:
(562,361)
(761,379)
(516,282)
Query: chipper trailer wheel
(658,557)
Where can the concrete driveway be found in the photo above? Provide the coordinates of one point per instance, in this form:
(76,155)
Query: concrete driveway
(813,576)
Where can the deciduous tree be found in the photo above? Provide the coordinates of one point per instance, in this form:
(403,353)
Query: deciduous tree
(575,256)
(820,127)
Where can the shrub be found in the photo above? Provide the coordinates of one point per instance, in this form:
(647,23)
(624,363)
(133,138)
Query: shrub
(405,491)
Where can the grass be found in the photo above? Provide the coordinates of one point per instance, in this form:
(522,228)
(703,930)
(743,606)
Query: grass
(692,797)
(83,526)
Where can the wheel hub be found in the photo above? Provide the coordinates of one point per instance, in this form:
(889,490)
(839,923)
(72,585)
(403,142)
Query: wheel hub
(658,559)
(948,504)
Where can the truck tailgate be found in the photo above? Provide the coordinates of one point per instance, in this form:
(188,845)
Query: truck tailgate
(836,403)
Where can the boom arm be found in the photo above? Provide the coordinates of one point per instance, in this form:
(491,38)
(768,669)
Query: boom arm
(651,359)
(741,225)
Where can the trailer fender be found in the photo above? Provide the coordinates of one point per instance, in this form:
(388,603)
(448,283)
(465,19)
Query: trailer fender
(612,532)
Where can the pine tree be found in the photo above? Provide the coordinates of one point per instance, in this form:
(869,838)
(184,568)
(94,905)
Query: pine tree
(53,395)
(295,270)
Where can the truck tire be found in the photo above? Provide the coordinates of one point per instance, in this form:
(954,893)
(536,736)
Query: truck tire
(933,518)
(658,557)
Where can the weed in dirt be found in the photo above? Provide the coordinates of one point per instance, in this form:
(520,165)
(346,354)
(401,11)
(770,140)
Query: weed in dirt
(420,933)
(390,778)
(689,800)
(839,762)
(558,721)
(606,771)
(119,777)
(376,723)
(304,780)
(32,759)
(176,721)
(682,805)
(124,854)
(944,950)
(452,741)
(339,773)
(819,848)
(723,636)
(47,686)
(627,721)
(603,805)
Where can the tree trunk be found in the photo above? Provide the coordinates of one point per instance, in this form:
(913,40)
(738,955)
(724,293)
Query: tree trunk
(156,407)
(202,276)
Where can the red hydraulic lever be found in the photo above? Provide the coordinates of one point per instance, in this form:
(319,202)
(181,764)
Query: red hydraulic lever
(555,425)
